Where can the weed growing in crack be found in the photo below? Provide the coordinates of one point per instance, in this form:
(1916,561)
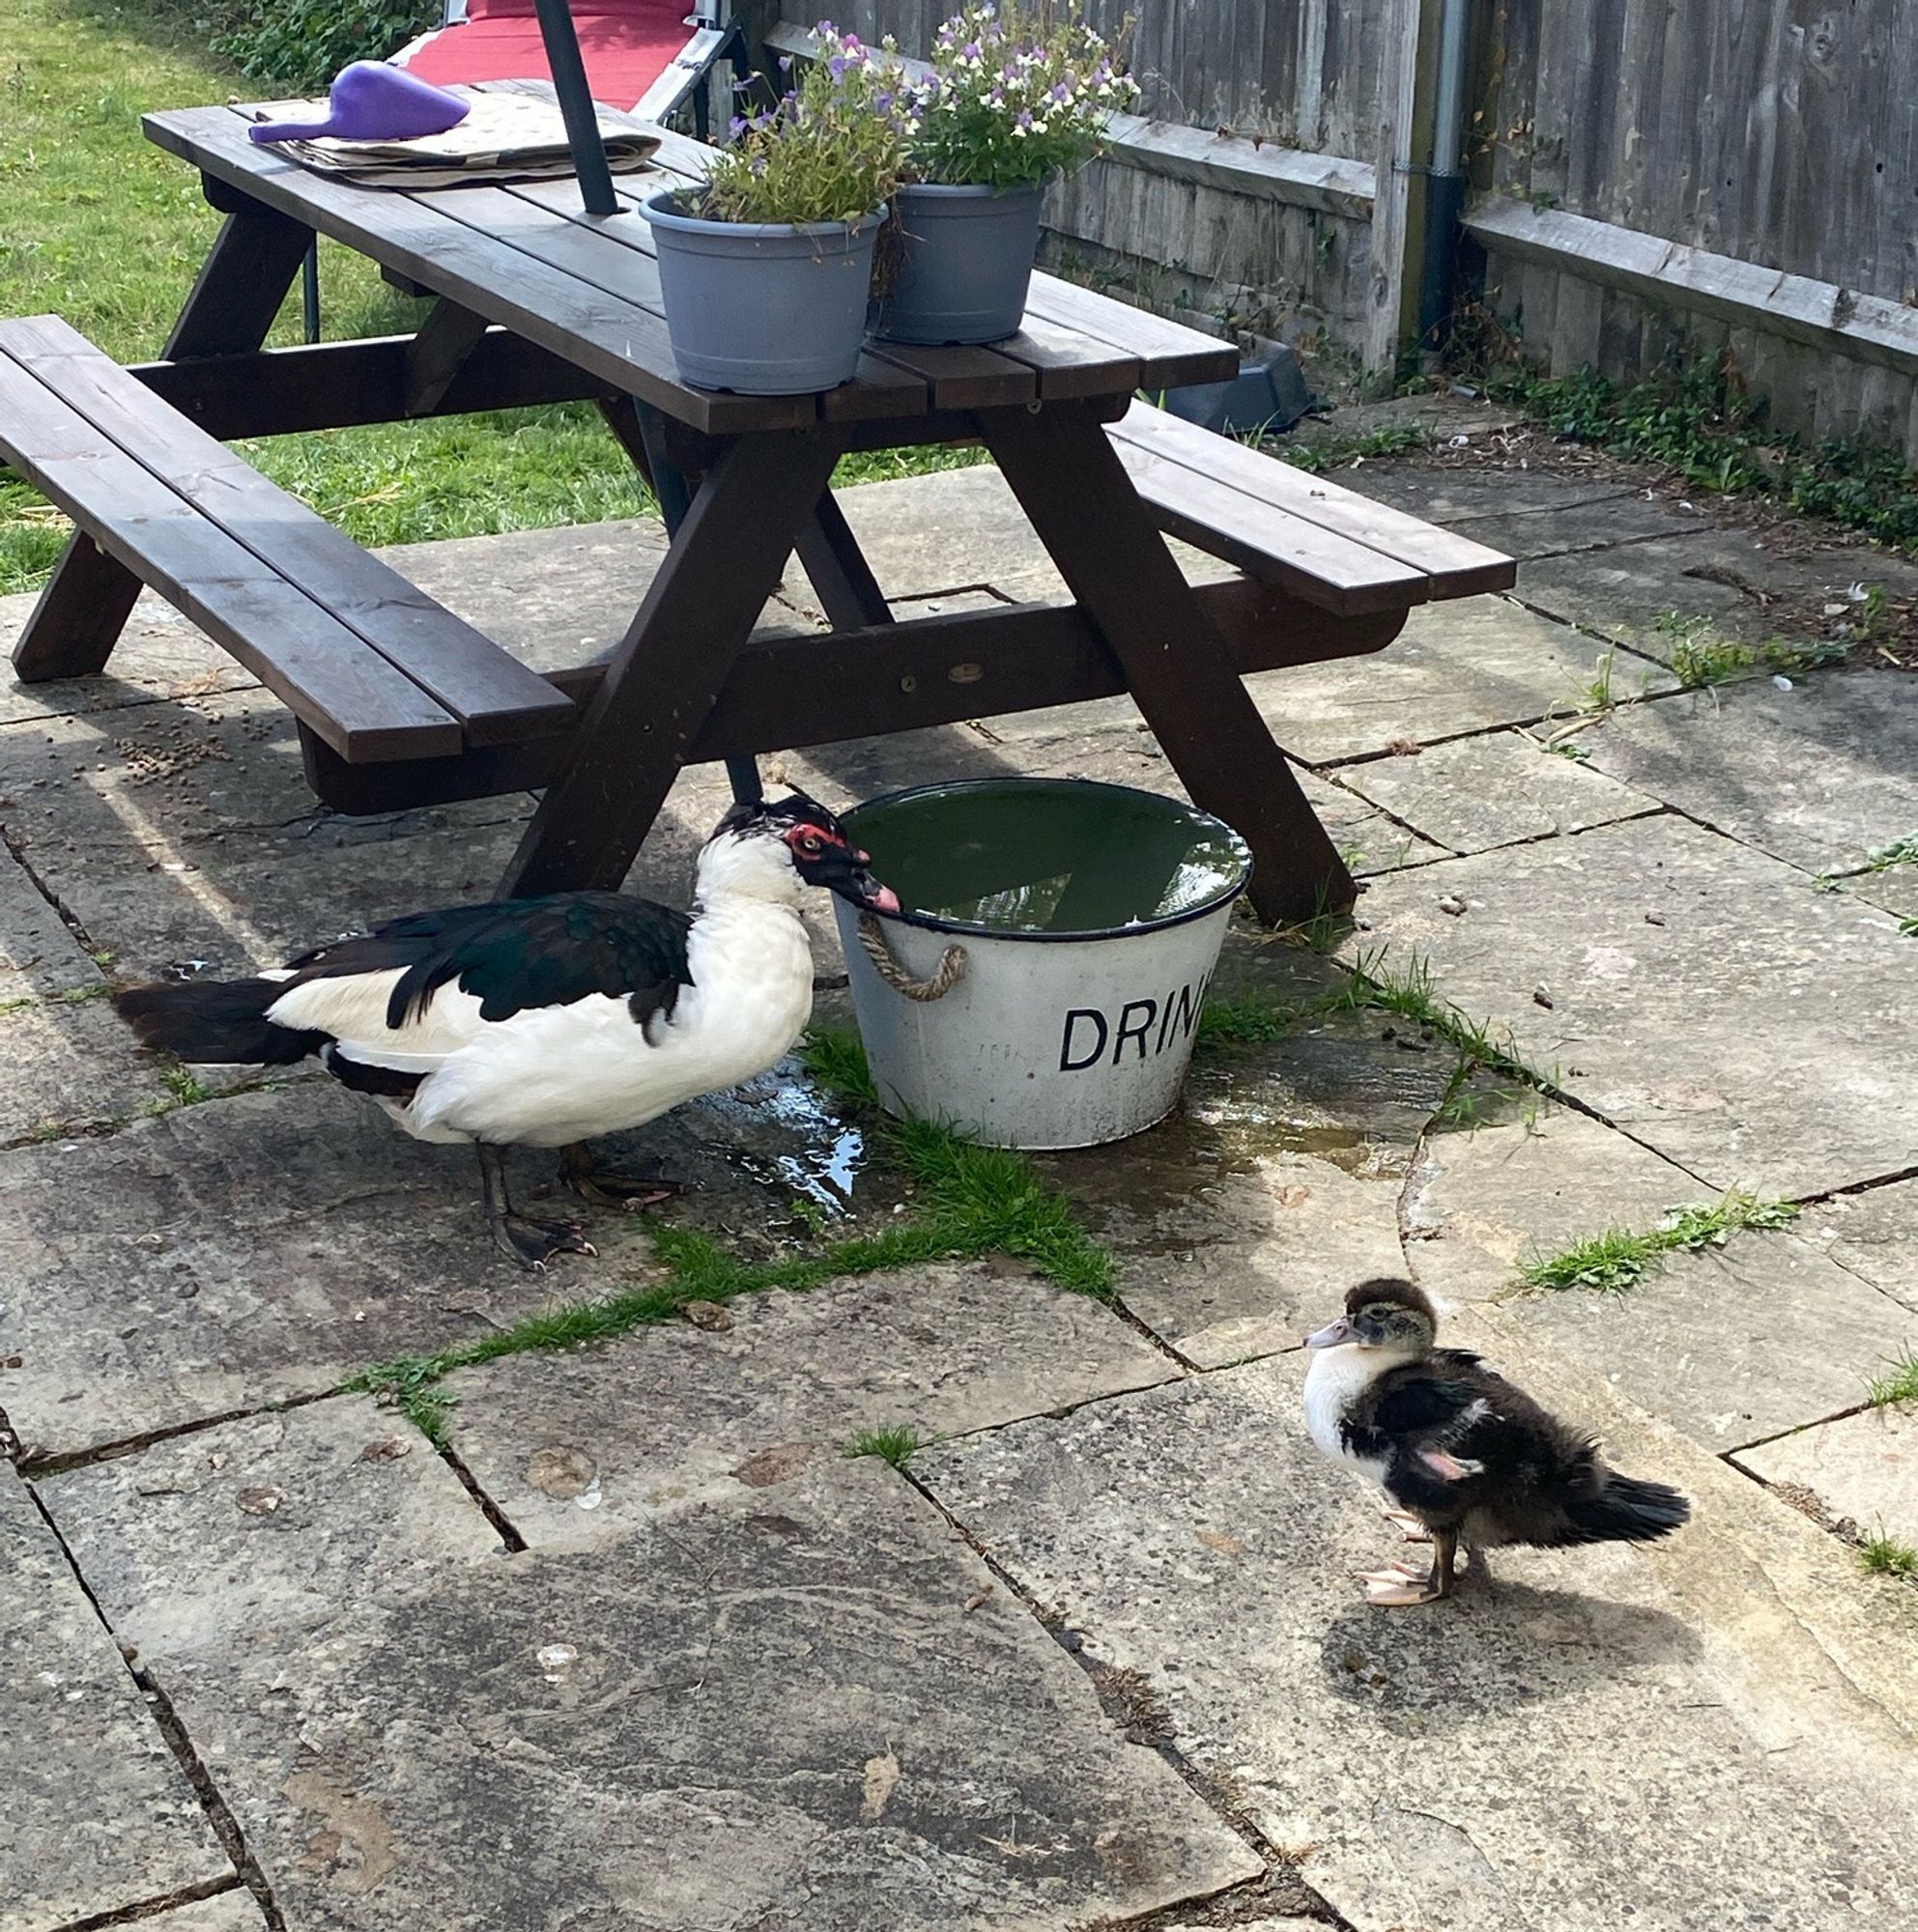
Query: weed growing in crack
(971,1201)
(1899,1385)
(897,1446)
(1899,852)
(1702,658)
(1620,1258)
(1908,928)
(1883,1555)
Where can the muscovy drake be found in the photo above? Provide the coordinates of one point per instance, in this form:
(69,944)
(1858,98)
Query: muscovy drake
(546,1022)
(1460,1451)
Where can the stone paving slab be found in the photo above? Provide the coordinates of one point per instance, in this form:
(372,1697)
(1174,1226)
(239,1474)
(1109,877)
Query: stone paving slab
(39,956)
(593,1444)
(160,657)
(244,1251)
(780,1712)
(1457,498)
(234,1911)
(1694,1032)
(1583,527)
(1873,1234)
(1821,775)
(1482,1203)
(285,1515)
(1274,1186)
(1862,1467)
(1602,1738)
(1473,665)
(1475,793)
(99,1817)
(1728,576)
(69,1067)
(1732,1346)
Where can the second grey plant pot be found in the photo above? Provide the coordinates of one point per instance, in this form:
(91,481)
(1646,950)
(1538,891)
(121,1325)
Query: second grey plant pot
(962,260)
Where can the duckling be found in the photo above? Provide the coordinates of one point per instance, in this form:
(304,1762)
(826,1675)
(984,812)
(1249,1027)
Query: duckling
(1459,1451)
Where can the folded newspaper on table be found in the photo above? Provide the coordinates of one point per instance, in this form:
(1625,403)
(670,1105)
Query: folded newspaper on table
(508,136)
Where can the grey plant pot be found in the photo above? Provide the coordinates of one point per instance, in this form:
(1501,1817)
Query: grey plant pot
(963,259)
(762,308)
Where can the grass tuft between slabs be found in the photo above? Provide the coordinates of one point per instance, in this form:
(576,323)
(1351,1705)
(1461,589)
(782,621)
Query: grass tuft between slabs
(1620,1258)
(969,1200)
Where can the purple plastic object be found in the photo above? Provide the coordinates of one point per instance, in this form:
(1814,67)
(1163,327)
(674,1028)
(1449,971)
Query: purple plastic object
(371,100)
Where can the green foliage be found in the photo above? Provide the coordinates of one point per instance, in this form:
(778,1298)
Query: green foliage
(1899,1385)
(830,149)
(1017,94)
(1899,852)
(1697,418)
(1335,452)
(1702,658)
(304,44)
(836,1058)
(1619,1258)
(1883,1555)
(897,1446)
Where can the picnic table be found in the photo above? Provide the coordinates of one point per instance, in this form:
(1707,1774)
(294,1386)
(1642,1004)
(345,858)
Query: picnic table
(401,704)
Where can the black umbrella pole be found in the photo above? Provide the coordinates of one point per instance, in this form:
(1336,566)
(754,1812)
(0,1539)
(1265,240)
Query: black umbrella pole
(569,83)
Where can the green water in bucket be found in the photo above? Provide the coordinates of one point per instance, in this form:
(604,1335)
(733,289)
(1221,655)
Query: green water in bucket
(1051,856)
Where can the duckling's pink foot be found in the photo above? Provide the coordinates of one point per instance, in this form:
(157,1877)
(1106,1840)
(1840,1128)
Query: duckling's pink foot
(1408,1526)
(1398,1587)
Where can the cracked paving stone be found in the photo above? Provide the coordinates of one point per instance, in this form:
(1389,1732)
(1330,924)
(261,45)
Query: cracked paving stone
(1863,1467)
(39,956)
(1483,1203)
(1820,775)
(1600,1740)
(1730,1345)
(588,1444)
(99,1817)
(1474,665)
(267,1523)
(1727,576)
(241,1252)
(1475,793)
(70,1067)
(234,1911)
(1873,1234)
(779,1710)
(1271,1190)
(1693,983)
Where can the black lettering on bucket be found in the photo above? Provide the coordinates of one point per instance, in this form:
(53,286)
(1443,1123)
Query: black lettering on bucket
(1067,1064)
(1187,1011)
(1127,1031)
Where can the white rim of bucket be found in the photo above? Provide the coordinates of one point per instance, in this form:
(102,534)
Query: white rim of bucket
(933,922)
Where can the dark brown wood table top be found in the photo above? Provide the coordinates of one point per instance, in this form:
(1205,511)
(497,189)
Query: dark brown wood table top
(586,288)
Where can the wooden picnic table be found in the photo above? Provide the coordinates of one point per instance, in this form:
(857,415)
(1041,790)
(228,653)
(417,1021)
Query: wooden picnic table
(533,302)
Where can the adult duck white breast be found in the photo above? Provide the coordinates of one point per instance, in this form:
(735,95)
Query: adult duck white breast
(546,1022)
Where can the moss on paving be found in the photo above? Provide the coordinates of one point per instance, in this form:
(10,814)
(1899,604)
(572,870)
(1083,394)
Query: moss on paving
(1620,1258)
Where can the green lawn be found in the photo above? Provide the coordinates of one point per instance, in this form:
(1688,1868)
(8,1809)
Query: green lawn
(101,228)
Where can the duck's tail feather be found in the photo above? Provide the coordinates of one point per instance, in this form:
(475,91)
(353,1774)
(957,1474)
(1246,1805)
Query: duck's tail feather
(1628,1510)
(217,1021)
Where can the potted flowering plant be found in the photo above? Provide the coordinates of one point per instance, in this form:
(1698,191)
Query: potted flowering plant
(766,268)
(1017,95)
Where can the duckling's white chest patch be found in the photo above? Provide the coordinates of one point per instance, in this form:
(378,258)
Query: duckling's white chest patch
(1335,1380)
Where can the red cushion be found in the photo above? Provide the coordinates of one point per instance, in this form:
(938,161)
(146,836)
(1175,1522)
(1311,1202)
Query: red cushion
(627,44)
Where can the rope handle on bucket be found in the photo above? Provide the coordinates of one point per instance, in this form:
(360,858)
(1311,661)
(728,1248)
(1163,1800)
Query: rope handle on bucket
(947,975)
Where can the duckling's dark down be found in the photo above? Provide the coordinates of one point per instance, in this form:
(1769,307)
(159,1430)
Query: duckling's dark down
(1462,1454)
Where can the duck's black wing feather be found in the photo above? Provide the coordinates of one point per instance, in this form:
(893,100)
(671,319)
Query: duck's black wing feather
(1420,1402)
(519,953)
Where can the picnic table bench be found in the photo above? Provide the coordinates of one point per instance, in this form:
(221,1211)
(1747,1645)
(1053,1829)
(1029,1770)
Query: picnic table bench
(401,704)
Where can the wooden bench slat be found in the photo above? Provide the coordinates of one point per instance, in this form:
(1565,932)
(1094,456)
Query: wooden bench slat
(332,680)
(1223,520)
(495,696)
(963,378)
(1457,566)
(1059,355)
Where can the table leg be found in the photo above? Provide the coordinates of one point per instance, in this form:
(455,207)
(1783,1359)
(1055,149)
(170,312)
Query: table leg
(843,579)
(665,676)
(72,629)
(1077,494)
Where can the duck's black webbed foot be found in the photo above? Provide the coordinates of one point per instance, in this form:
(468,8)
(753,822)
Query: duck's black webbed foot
(528,1242)
(607,1188)
(535,1243)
